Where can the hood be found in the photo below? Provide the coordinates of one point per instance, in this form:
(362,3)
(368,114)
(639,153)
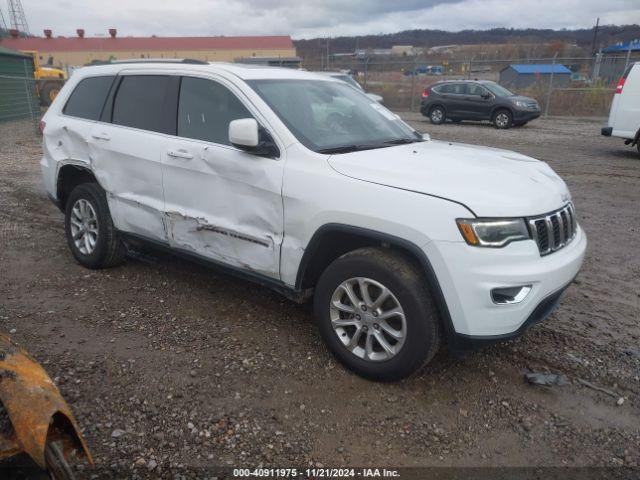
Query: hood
(490,182)
(521,98)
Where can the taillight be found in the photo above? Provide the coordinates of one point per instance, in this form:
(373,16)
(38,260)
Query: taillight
(41,126)
(620,85)
(425,93)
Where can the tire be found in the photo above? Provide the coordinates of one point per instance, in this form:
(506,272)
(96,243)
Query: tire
(437,115)
(407,286)
(57,465)
(106,249)
(49,92)
(502,119)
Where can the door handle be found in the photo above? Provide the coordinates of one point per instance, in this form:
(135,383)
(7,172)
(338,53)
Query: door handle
(101,136)
(180,154)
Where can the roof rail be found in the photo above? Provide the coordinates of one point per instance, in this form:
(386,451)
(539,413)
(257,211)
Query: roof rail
(189,61)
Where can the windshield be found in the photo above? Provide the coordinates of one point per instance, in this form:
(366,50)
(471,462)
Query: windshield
(348,79)
(498,90)
(332,117)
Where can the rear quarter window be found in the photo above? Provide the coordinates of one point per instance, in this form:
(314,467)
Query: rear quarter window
(87,99)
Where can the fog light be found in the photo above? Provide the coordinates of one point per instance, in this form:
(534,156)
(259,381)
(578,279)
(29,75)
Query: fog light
(510,295)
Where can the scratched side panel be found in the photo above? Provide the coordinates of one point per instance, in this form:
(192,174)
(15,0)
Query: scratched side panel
(129,168)
(226,205)
(66,141)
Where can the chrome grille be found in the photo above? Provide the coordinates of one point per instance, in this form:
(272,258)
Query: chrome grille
(554,230)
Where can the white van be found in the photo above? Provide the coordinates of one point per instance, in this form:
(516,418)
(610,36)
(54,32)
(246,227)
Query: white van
(624,117)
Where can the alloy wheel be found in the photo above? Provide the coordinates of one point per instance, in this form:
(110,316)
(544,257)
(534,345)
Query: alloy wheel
(84,226)
(368,319)
(502,120)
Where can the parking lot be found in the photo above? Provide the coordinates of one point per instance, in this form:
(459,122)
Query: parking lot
(168,364)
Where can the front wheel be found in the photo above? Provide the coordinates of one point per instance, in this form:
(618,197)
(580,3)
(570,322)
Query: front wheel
(502,119)
(376,315)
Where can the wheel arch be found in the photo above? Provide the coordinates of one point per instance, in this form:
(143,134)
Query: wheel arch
(69,177)
(437,104)
(333,240)
(501,107)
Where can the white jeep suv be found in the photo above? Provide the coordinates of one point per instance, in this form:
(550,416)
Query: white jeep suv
(303,184)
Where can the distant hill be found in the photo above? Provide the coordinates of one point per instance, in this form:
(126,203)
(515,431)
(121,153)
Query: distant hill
(607,35)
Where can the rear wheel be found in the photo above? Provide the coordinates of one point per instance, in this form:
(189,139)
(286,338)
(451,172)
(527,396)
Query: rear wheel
(437,115)
(49,92)
(376,315)
(91,235)
(502,119)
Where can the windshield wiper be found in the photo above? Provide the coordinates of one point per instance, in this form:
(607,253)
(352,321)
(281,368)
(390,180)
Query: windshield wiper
(369,146)
(351,148)
(402,141)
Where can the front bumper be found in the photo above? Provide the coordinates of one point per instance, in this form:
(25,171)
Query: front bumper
(467,275)
(525,115)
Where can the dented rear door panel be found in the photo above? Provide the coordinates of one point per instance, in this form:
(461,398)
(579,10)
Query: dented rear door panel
(127,163)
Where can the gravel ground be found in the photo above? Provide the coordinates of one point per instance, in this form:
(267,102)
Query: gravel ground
(168,364)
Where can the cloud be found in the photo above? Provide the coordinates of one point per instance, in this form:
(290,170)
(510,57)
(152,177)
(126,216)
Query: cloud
(319,18)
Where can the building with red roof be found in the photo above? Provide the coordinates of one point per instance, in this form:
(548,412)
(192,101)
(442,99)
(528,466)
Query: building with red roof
(81,50)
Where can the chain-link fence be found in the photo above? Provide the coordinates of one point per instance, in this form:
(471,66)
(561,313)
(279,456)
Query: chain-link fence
(583,86)
(18,99)
(18,89)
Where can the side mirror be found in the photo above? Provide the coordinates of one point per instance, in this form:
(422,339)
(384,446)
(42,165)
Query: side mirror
(246,134)
(486,96)
(243,133)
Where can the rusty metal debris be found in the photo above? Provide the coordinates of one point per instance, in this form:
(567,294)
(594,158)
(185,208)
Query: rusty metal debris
(34,418)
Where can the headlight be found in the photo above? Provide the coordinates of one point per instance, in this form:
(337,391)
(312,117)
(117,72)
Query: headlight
(493,232)
(520,104)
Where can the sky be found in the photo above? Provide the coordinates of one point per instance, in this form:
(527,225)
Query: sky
(314,18)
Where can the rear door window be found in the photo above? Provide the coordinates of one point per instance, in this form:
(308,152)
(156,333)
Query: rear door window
(475,89)
(87,99)
(455,88)
(205,110)
(141,102)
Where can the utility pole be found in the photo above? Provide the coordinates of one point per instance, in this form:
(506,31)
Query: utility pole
(595,37)
(328,40)
(553,68)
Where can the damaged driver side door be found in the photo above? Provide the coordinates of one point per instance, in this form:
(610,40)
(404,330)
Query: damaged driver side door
(220,202)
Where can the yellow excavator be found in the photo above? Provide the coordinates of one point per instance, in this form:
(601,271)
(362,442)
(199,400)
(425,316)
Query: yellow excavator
(49,80)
